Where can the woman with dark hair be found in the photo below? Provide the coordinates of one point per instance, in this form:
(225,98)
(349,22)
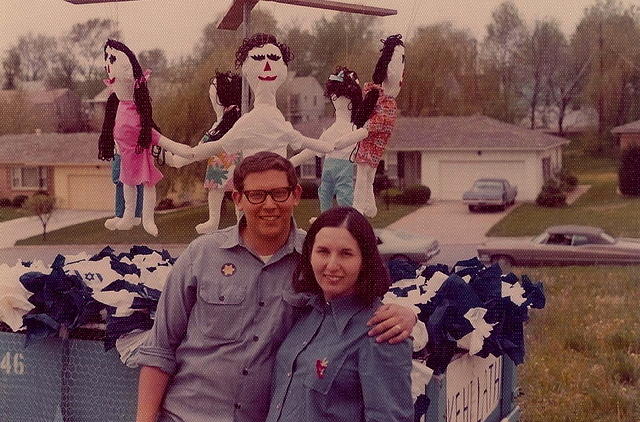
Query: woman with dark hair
(379,106)
(128,122)
(343,90)
(328,368)
(263,62)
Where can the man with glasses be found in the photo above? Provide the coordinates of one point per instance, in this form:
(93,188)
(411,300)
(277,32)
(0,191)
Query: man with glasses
(228,304)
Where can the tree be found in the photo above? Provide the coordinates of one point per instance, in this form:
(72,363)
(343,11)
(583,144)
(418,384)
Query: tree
(43,206)
(11,66)
(440,73)
(506,34)
(64,66)
(154,59)
(88,39)
(35,55)
(540,61)
(608,36)
(17,117)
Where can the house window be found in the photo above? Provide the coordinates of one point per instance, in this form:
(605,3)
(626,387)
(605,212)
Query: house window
(308,170)
(31,178)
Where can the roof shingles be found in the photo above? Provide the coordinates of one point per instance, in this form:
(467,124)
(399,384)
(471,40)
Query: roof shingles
(50,149)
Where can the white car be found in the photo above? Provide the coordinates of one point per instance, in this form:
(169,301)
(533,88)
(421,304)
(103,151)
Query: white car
(394,244)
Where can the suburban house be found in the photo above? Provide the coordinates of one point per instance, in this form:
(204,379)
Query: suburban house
(629,134)
(302,99)
(64,165)
(448,153)
(52,110)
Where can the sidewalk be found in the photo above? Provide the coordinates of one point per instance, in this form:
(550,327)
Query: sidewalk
(21,228)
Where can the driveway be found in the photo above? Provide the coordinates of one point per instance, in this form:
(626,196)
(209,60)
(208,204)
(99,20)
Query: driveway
(21,228)
(450,222)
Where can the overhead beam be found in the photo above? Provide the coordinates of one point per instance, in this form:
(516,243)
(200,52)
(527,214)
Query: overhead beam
(234,16)
(341,7)
(93,1)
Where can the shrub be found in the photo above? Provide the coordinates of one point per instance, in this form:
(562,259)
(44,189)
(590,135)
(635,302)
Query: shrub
(551,195)
(5,202)
(568,181)
(381,182)
(309,189)
(629,172)
(19,200)
(415,195)
(165,204)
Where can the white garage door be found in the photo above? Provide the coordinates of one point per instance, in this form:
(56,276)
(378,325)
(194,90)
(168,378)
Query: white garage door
(91,192)
(455,177)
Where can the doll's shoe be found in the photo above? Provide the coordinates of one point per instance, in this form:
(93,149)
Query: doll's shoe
(125,223)
(206,227)
(150,227)
(112,223)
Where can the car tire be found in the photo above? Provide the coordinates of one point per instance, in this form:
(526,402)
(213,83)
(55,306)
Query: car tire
(504,261)
(472,208)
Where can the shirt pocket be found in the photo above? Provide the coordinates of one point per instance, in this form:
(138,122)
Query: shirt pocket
(221,312)
(339,374)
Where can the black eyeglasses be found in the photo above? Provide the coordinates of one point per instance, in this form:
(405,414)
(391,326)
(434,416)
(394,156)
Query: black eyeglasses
(259,196)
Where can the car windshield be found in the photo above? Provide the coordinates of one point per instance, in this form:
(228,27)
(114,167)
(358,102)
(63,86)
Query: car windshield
(608,238)
(541,238)
(485,185)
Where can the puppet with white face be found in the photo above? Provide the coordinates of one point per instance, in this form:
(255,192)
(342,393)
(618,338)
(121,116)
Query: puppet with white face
(380,95)
(343,89)
(263,61)
(128,124)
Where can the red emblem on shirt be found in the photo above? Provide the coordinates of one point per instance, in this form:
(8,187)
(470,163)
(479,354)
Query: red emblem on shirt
(321,365)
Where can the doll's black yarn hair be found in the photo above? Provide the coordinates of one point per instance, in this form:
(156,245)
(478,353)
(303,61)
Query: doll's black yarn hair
(142,101)
(344,83)
(229,93)
(259,40)
(379,75)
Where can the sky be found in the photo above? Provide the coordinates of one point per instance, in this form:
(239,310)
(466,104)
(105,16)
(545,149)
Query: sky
(176,25)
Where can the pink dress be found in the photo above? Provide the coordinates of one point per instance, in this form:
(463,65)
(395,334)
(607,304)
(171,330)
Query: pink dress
(135,168)
(381,123)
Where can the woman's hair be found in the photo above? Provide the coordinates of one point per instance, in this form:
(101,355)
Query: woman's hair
(258,40)
(229,93)
(344,83)
(143,106)
(373,280)
(390,43)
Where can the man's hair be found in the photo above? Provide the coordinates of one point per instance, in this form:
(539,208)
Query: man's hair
(263,161)
(373,280)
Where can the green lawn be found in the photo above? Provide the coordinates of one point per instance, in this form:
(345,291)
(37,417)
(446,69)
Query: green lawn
(11,213)
(179,226)
(583,349)
(601,206)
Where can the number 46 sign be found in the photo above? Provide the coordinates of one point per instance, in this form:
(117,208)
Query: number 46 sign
(12,363)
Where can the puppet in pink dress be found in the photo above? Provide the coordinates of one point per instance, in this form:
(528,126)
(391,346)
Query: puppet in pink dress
(128,123)
(381,96)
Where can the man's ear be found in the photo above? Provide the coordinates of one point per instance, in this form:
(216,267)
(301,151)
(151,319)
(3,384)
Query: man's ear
(237,197)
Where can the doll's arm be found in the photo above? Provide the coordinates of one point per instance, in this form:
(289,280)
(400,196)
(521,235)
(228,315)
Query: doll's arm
(313,144)
(351,138)
(175,147)
(302,157)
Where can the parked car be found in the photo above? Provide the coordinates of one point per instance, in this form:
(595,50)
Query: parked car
(490,193)
(563,245)
(394,244)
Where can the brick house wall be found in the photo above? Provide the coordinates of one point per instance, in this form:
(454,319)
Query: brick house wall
(7,189)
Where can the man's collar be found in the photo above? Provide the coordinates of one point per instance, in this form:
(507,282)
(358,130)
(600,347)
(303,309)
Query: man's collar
(294,241)
(341,309)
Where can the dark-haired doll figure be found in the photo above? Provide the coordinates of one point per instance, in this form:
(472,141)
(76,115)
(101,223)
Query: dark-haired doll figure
(343,89)
(225,93)
(381,95)
(263,61)
(128,123)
